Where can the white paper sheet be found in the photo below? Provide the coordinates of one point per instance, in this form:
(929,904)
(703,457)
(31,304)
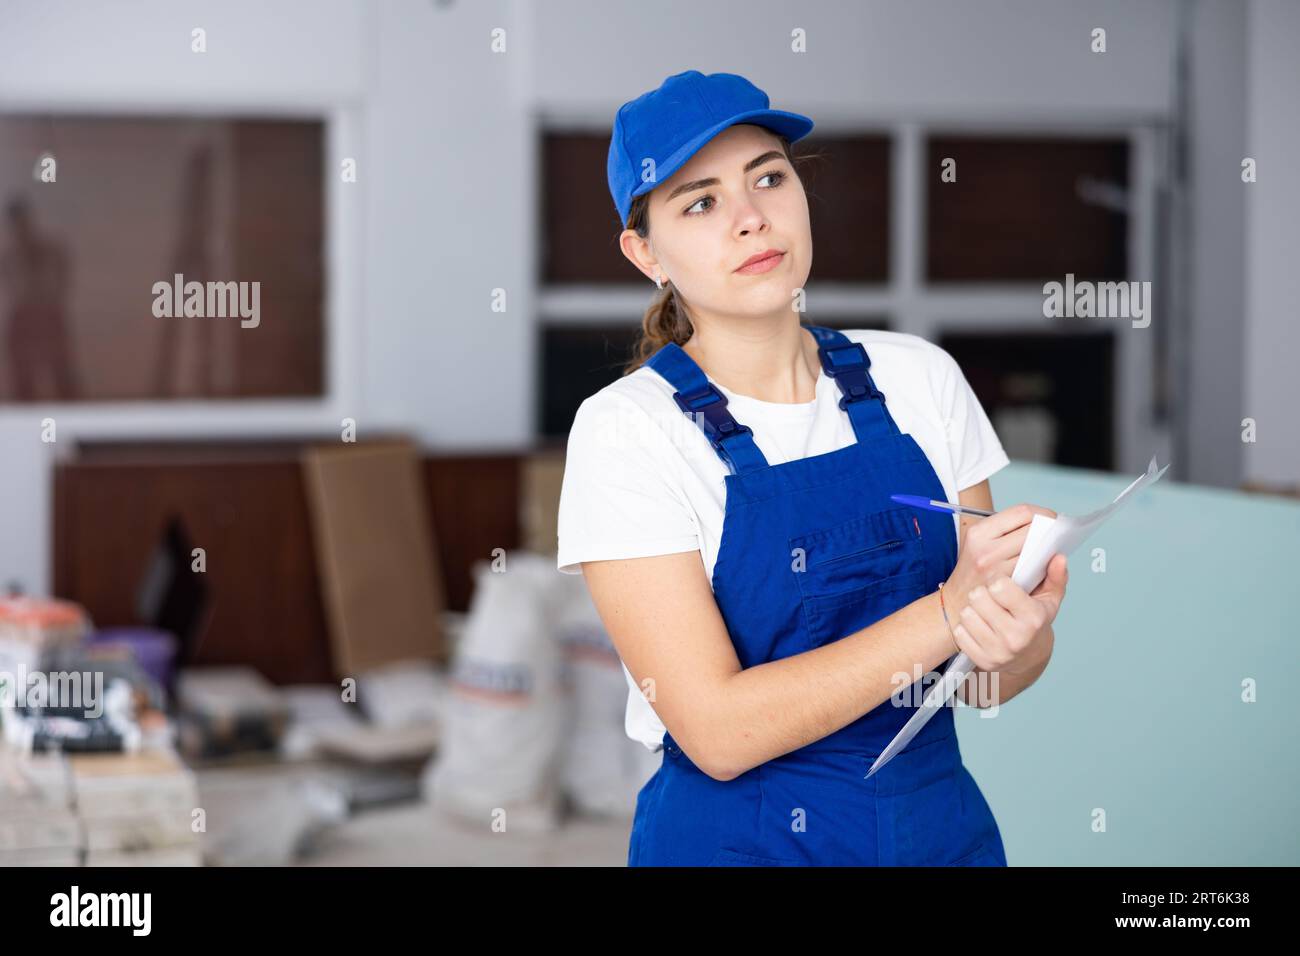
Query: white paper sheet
(1046,537)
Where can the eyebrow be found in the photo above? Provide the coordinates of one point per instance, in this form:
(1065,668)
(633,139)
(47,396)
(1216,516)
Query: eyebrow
(702,183)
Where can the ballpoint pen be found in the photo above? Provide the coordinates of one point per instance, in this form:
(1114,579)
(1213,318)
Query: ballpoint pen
(932,504)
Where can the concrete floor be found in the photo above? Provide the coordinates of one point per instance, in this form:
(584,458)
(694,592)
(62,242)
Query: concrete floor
(281,813)
(417,835)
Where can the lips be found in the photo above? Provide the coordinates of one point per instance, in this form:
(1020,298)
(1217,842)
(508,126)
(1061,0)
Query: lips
(762,261)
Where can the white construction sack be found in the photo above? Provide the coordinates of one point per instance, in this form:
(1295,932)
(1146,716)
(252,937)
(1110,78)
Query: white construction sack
(602,768)
(497,762)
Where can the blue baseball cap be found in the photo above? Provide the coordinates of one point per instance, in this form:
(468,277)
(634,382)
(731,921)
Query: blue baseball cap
(669,125)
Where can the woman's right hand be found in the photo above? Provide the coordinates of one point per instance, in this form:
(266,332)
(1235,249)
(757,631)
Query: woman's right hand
(990,550)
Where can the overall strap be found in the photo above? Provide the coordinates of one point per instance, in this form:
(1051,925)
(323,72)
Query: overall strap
(847,362)
(700,399)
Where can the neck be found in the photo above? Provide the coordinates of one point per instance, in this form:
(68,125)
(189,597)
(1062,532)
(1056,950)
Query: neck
(772,359)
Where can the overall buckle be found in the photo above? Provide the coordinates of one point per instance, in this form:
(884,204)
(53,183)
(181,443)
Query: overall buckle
(848,365)
(847,357)
(710,405)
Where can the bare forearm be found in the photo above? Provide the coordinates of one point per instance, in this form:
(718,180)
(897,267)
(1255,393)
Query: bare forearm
(771,709)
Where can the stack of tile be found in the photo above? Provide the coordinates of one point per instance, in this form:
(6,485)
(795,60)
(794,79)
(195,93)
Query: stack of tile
(37,824)
(137,809)
(29,627)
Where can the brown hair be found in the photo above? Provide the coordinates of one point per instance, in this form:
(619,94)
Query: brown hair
(666,320)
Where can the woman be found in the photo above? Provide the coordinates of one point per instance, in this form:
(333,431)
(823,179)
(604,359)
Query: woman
(728,503)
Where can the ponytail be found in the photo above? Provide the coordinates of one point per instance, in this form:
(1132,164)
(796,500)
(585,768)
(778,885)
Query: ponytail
(665,321)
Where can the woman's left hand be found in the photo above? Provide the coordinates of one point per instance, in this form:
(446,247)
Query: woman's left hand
(1005,629)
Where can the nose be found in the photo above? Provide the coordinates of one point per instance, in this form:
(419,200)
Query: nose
(750,219)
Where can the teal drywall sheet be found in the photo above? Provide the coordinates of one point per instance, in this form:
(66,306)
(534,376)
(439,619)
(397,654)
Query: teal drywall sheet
(1140,712)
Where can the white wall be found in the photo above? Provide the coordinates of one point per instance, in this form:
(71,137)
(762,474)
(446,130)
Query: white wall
(449,220)
(1272,395)
(1213,329)
(442,130)
(115,54)
(884,58)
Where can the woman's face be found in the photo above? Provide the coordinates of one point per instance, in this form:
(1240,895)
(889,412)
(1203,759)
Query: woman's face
(718,210)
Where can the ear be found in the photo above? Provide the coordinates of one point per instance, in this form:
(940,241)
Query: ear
(639,252)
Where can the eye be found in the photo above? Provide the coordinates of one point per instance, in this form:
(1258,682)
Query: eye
(696,203)
(776,173)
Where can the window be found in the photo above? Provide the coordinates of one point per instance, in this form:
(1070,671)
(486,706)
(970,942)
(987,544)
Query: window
(147,258)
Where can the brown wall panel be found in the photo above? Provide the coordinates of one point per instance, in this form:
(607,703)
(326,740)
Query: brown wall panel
(1016,213)
(245,504)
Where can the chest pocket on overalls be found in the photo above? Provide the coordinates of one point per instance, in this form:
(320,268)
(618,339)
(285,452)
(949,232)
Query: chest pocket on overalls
(858,572)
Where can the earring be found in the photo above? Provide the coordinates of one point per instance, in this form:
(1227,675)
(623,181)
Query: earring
(659,282)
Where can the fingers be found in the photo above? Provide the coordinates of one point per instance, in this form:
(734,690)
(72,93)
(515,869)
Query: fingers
(999,622)
(975,638)
(998,553)
(1051,590)
(1012,600)
(1008,520)
(1002,570)
(1057,574)
(996,615)
(1006,548)
(1002,522)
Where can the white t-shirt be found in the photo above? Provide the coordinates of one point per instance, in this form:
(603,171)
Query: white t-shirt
(640,478)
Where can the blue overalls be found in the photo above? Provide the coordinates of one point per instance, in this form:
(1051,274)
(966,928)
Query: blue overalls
(813,550)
